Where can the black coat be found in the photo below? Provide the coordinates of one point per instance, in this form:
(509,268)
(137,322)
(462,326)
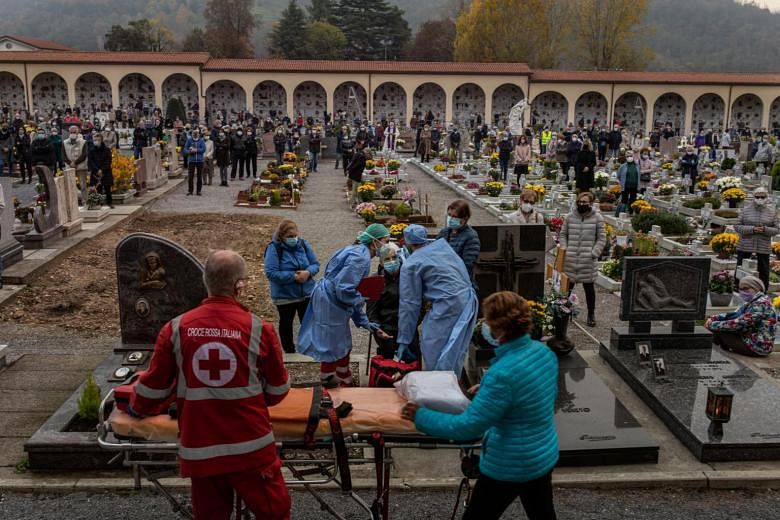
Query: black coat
(42,152)
(100,159)
(222,151)
(615,138)
(237,146)
(21,147)
(384,311)
(356,167)
(250,145)
(140,137)
(585,158)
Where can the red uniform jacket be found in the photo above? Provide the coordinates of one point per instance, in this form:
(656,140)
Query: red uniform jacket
(226,368)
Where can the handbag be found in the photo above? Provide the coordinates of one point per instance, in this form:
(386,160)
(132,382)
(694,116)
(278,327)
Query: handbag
(384,372)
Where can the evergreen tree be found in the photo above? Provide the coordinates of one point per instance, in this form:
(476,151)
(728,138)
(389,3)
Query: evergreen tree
(195,41)
(374,29)
(229,26)
(285,39)
(321,11)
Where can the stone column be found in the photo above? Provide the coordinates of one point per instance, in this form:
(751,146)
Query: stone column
(330,101)
(409,108)
(688,117)
(650,118)
(158,97)
(488,105)
(571,111)
(71,93)
(765,114)
(448,97)
(115,93)
(290,106)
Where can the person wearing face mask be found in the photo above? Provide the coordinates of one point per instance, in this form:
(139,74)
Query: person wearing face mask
(628,176)
(435,274)
(280,141)
(646,165)
(325,332)
(689,164)
(638,142)
(513,411)
(425,144)
(615,139)
(41,150)
(74,152)
(290,265)
(56,144)
(757,224)
(749,330)
(384,311)
(522,157)
(21,154)
(222,156)
(208,158)
(110,137)
(229,369)
(250,150)
(6,148)
(237,154)
(527,214)
(584,167)
(460,236)
(763,153)
(583,237)
(100,163)
(196,148)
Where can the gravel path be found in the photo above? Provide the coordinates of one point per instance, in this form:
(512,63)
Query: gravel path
(571,504)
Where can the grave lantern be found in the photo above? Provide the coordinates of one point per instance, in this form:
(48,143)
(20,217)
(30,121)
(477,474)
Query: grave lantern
(719,400)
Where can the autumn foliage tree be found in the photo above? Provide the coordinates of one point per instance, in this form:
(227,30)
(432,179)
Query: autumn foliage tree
(434,41)
(229,27)
(608,34)
(506,31)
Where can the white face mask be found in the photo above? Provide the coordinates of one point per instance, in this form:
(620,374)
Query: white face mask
(527,207)
(760,202)
(73,137)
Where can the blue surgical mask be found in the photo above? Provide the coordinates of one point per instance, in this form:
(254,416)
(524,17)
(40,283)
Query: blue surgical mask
(746,296)
(392,266)
(488,336)
(453,222)
(291,241)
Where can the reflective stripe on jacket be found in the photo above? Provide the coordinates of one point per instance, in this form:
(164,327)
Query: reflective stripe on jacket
(226,367)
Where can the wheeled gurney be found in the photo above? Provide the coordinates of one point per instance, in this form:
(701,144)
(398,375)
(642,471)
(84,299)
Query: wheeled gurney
(374,425)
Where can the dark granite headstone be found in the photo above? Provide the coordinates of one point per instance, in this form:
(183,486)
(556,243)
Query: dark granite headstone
(11,251)
(46,218)
(679,399)
(511,258)
(669,289)
(158,280)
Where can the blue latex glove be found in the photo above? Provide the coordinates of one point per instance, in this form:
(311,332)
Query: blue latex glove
(403,353)
(372,326)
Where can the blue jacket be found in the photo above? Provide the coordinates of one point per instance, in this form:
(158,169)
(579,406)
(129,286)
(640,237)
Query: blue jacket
(465,244)
(325,334)
(281,274)
(514,409)
(200,149)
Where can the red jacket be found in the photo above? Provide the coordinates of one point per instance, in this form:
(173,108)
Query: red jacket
(226,367)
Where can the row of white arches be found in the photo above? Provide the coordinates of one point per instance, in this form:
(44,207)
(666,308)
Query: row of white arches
(389,101)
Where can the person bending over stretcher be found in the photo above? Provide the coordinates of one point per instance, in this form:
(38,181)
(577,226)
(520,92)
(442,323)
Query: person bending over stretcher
(230,370)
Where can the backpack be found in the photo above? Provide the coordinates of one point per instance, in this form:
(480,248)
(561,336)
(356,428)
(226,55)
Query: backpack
(385,372)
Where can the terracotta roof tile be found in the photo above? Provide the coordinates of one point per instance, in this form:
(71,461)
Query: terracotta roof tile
(38,43)
(596,76)
(146,58)
(397,67)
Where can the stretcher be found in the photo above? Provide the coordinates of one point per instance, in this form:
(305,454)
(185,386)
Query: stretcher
(149,446)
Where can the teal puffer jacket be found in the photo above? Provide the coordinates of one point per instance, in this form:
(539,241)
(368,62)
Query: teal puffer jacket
(514,409)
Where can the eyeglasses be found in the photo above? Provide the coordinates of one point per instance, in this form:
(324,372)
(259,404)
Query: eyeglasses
(759,196)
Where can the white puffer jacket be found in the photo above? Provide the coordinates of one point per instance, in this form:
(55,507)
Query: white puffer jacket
(583,237)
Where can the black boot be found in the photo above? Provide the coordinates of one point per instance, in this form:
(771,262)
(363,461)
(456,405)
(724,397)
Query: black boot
(591,319)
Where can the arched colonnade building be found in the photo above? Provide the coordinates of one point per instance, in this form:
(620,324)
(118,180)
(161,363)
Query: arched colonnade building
(453,92)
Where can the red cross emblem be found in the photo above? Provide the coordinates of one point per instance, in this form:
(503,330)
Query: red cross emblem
(214,364)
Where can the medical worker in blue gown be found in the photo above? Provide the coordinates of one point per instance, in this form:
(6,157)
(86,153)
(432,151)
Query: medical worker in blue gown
(436,274)
(325,334)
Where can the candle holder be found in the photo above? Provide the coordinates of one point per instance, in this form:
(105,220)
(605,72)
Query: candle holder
(718,410)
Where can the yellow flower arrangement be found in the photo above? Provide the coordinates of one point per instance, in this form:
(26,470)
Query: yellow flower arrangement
(536,188)
(615,188)
(494,188)
(708,176)
(289,157)
(725,244)
(494,156)
(702,184)
(776,302)
(367,187)
(666,166)
(641,205)
(123,170)
(776,248)
(397,230)
(609,230)
(178,149)
(736,194)
(439,168)
(370,164)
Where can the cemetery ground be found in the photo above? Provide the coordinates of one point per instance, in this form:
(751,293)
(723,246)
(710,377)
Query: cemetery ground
(63,325)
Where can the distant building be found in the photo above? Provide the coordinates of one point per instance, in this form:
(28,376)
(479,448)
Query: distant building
(23,43)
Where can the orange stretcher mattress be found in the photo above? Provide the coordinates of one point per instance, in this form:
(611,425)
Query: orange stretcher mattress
(373,410)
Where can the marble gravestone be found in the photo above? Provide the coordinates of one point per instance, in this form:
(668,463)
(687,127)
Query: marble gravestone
(511,258)
(11,251)
(154,174)
(140,175)
(663,289)
(175,171)
(157,281)
(46,219)
(68,202)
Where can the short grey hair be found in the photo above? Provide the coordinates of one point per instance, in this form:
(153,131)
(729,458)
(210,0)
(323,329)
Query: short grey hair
(760,189)
(223,271)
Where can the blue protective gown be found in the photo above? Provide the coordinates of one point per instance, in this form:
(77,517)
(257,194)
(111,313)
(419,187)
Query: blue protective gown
(325,334)
(436,274)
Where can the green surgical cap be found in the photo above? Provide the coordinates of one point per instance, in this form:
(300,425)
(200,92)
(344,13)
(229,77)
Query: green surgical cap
(373,232)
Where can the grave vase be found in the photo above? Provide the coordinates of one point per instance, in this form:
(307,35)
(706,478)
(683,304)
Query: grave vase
(732,203)
(720,299)
(560,325)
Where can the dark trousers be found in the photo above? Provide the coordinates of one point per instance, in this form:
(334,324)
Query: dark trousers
(491,498)
(628,197)
(223,174)
(237,164)
(602,153)
(287,314)
(192,168)
(565,169)
(251,165)
(105,189)
(520,169)
(732,341)
(503,163)
(25,166)
(590,296)
(763,265)
(279,155)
